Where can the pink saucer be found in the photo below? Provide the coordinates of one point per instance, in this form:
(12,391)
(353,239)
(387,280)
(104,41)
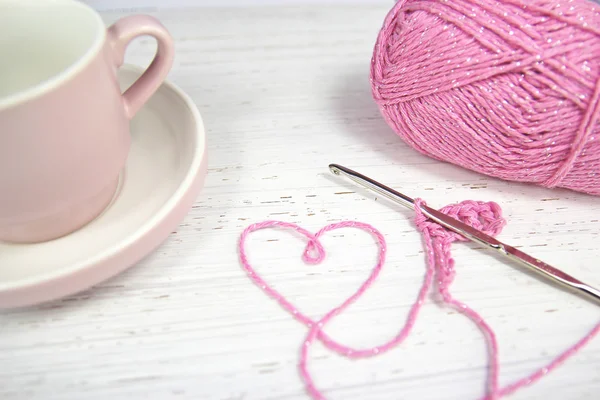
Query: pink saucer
(164,174)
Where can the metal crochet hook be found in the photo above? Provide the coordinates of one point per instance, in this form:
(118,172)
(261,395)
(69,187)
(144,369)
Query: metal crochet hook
(471,233)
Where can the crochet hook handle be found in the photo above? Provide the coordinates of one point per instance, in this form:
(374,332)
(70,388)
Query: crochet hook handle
(471,233)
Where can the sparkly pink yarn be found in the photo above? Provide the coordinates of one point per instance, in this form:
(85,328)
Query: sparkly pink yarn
(506,88)
(486,217)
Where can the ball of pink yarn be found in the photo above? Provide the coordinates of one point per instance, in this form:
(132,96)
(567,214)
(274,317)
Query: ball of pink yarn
(507,88)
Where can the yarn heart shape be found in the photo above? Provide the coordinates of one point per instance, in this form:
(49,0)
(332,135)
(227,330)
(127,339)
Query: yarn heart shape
(314,253)
(485,217)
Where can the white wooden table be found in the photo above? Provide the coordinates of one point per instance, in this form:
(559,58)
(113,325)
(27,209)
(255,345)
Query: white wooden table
(284,92)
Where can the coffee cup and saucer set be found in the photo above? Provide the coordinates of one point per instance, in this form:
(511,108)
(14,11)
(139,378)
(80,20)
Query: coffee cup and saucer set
(99,161)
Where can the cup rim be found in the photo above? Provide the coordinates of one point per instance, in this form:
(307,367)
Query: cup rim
(55,81)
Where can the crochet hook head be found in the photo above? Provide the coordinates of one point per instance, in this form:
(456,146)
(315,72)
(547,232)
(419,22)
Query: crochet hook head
(402,199)
(471,233)
(375,186)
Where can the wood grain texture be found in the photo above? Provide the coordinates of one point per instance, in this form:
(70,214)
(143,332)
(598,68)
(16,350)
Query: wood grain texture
(283,92)
(112,5)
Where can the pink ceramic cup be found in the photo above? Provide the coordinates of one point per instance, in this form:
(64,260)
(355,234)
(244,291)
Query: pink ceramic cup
(64,123)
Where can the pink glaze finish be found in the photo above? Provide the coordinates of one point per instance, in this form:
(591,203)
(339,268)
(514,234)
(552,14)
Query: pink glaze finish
(63,147)
(486,217)
(162,177)
(120,34)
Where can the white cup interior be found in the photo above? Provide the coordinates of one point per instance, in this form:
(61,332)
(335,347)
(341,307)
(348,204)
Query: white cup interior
(42,42)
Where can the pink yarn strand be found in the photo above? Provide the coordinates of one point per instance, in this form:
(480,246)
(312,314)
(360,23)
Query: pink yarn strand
(439,268)
(540,373)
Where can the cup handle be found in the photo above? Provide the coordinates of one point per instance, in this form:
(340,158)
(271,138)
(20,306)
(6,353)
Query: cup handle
(119,35)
